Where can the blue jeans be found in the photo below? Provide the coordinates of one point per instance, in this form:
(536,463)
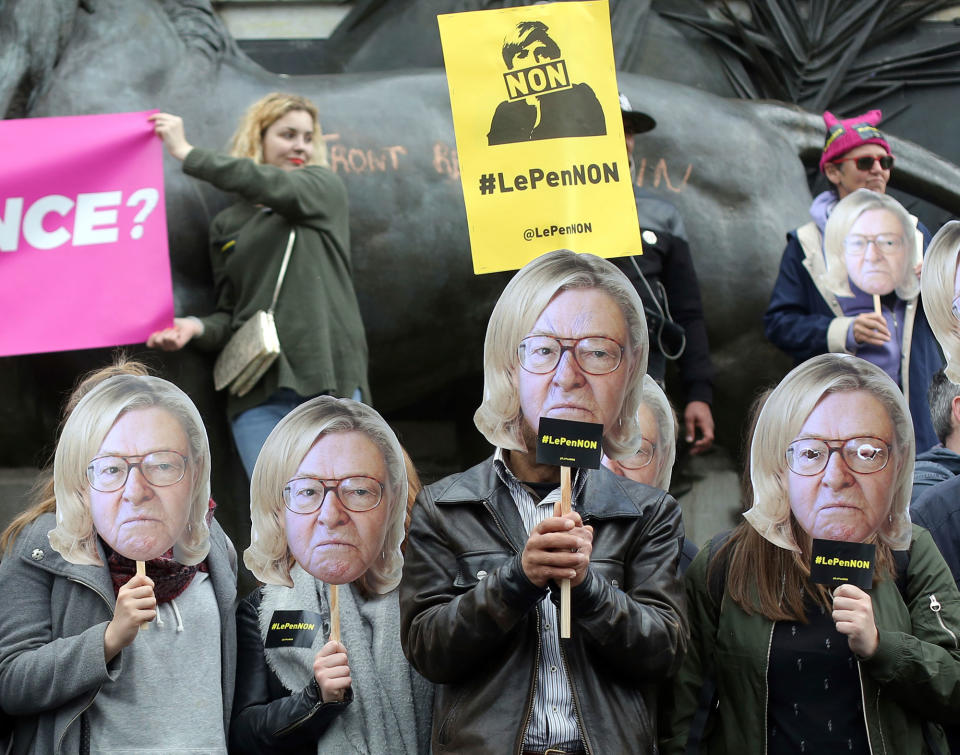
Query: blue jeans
(251,428)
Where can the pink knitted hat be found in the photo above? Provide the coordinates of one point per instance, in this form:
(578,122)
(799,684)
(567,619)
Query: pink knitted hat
(842,136)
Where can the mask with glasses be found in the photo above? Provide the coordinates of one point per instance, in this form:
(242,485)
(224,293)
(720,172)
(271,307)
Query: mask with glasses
(855,245)
(305,495)
(595,355)
(810,456)
(160,468)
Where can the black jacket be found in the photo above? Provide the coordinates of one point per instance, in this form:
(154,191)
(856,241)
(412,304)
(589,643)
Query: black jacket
(470,617)
(267,718)
(666,260)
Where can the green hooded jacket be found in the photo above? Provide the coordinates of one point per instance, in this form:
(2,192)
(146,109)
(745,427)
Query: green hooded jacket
(913,676)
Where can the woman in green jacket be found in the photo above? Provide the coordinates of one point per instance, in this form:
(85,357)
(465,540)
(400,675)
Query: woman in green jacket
(798,667)
(278,168)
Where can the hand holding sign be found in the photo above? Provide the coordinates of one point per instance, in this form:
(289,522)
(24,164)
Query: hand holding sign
(853,615)
(569,444)
(331,672)
(558,549)
(136,604)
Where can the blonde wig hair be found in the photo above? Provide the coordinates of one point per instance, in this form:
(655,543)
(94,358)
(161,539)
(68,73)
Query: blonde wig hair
(247,140)
(524,298)
(841,220)
(666,418)
(782,417)
(937,286)
(268,556)
(95,414)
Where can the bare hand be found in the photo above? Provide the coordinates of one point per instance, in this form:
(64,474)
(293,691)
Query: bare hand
(331,671)
(175,338)
(870,328)
(696,416)
(170,129)
(136,604)
(558,548)
(853,615)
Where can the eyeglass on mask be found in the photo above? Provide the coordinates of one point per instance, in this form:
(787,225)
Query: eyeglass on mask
(865,162)
(886,243)
(641,458)
(864,455)
(595,355)
(160,468)
(305,495)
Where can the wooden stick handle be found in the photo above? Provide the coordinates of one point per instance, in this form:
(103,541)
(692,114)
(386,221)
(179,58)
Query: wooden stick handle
(876,305)
(566,491)
(566,497)
(142,572)
(334,613)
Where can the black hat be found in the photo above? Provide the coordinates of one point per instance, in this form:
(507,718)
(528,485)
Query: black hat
(635,122)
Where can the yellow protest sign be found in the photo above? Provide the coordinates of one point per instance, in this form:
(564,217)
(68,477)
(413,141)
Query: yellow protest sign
(539,133)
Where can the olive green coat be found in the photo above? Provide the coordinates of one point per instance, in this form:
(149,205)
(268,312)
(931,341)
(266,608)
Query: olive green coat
(913,676)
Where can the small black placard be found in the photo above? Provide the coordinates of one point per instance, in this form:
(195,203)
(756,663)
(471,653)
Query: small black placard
(292,629)
(565,443)
(836,563)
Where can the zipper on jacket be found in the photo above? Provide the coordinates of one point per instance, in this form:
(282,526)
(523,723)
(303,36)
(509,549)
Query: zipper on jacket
(97,692)
(533,685)
(79,713)
(935,607)
(766,691)
(300,721)
(576,702)
(863,703)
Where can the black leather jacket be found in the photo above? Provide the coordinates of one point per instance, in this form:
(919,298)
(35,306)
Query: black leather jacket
(268,718)
(470,617)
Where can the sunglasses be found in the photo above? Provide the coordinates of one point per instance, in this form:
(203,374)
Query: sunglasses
(865,162)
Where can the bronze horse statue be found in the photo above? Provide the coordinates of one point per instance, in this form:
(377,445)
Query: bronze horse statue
(734,169)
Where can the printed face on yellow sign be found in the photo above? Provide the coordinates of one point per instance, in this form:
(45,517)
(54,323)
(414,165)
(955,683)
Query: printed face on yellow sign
(541,102)
(539,133)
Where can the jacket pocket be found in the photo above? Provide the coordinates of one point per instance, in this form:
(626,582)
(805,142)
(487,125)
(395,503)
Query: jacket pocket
(476,565)
(610,569)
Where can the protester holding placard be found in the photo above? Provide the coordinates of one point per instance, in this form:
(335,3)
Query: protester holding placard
(872,250)
(278,167)
(328,503)
(797,666)
(488,548)
(804,317)
(130,483)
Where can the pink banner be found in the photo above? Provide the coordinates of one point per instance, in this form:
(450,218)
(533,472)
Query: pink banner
(84,261)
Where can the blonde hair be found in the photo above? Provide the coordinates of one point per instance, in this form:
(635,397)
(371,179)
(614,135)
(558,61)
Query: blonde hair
(937,285)
(666,418)
(782,417)
(74,536)
(841,220)
(268,556)
(41,493)
(247,140)
(524,298)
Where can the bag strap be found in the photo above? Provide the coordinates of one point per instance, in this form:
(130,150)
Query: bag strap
(662,310)
(283,269)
